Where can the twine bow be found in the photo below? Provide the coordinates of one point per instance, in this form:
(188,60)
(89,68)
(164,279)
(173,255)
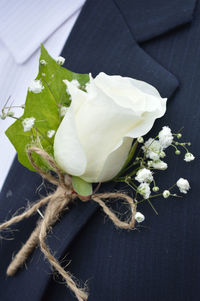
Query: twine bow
(55,204)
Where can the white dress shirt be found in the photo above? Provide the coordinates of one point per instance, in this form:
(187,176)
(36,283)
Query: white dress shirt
(24,25)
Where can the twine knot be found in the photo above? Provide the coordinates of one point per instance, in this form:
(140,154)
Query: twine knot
(56,203)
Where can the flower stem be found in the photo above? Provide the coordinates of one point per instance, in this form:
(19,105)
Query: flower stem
(130,156)
(154,209)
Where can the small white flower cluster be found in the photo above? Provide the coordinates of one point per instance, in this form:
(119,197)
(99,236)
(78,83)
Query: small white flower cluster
(43,62)
(183,185)
(63,111)
(28,123)
(159,164)
(60,60)
(165,137)
(144,175)
(35,86)
(8,114)
(51,133)
(154,152)
(140,140)
(139,217)
(6,111)
(166,194)
(144,190)
(189,157)
(75,83)
(154,149)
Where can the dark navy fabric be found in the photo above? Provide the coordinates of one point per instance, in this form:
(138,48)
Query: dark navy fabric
(101,40)
(149,19)
(160,259)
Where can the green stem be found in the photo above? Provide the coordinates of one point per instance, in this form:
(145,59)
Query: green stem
(50,90)
(170,188)
(151,197)
(131,186)
(10,107)
(130,156)
(154,209)
(133,172)
(43,136)
(176,148)
(180,129)
(185,148)
(130,166)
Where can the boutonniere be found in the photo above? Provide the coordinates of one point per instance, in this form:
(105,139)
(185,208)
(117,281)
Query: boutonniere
(77,131)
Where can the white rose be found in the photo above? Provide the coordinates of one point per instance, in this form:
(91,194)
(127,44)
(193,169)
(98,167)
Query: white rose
(95,136)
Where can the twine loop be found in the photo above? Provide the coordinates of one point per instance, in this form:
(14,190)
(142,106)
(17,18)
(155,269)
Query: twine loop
(56,203)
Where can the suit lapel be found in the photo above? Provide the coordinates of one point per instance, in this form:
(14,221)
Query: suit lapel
(147,21)
(100,41)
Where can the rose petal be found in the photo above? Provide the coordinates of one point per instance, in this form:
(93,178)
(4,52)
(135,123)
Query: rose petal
(101,125)
(115,161)
(78,96)
(68,151)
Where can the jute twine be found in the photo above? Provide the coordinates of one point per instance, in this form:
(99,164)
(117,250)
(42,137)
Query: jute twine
(56,203)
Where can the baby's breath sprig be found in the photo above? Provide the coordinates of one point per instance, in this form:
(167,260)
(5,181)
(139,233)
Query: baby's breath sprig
(7,110)
(28,123)
(139,174)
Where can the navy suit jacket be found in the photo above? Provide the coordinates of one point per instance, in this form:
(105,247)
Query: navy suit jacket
(156,41)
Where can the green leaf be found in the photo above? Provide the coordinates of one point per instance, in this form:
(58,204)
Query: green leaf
(44,107)
(81,187)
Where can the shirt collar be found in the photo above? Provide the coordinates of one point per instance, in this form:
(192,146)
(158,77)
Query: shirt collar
(26,25)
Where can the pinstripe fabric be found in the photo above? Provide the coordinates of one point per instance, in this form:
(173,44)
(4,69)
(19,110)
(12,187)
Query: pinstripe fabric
(113,49)
(161,260)
(149,19)
(25,24)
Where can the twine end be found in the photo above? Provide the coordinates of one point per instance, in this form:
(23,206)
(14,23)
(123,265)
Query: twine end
(10,272)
